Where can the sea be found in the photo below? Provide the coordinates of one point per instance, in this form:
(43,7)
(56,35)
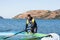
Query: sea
(11,26)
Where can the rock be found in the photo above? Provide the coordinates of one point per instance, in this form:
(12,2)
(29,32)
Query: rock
(41,14)
(58,13)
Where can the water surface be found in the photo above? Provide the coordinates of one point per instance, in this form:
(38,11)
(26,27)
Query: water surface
(17,25)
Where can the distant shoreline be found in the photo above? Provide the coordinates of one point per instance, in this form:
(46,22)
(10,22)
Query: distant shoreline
(40,14)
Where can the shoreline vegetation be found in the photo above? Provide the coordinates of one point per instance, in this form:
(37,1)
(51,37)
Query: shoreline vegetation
(40,14)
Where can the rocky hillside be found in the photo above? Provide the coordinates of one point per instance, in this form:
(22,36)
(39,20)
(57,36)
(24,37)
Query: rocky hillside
(41,14)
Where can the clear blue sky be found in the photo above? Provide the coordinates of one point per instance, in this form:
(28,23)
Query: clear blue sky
(10,8)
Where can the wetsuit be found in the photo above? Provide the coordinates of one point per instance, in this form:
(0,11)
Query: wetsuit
(32,24)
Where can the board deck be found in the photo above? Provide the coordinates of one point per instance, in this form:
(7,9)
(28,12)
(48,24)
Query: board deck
(33,36)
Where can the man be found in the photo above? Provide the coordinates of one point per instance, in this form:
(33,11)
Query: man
(31,23)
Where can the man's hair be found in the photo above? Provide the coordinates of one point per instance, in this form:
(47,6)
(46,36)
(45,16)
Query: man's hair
(29,15)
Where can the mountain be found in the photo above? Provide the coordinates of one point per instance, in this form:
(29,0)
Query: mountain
(41,14)
(58,13)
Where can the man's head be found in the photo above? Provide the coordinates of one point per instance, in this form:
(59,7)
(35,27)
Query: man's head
(29,17)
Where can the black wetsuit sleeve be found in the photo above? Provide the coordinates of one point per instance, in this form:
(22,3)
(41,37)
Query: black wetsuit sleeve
(26,27)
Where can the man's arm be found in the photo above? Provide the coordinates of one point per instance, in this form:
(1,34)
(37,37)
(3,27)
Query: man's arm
(26,27)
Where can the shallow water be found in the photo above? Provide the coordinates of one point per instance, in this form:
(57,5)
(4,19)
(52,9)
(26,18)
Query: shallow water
(13,25)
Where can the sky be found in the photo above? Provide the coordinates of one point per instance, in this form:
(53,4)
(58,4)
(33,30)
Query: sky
(11,8)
